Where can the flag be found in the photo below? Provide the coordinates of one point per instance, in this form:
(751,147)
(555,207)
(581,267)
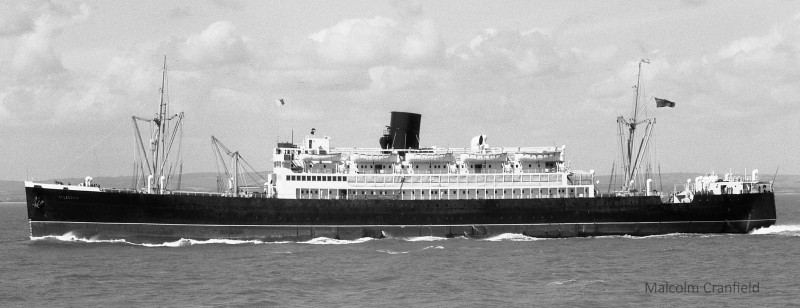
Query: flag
(279,102)
(664,103)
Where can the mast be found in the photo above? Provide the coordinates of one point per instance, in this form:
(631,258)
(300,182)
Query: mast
(631,154)
(635,114)
(238,166)
(156,158)
(160,145)
(236,173)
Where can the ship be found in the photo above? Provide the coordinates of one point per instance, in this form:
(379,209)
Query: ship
(397,190)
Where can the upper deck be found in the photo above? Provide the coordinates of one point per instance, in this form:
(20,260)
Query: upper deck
(315,155)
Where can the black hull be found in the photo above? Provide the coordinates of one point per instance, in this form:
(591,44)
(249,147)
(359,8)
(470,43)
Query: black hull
(134,216)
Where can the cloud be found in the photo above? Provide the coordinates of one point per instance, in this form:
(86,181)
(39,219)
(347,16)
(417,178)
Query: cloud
(228,4)
(36,81)
(499,58)
(735,82)
(598,55)
(514,52)
(362,54)
(379,41)
(408,9)
(182,12)
(217,45)
(20,17)
(753,48)
(754,70)
(36,27)
(398,78)
(35,57)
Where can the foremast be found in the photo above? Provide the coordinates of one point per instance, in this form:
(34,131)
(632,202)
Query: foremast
(154,165)
(633,154)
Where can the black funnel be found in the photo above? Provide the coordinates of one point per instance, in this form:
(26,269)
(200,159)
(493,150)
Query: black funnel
(402,132)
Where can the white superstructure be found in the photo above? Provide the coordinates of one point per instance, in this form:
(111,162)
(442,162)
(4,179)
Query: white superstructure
(314,170)
(729,184)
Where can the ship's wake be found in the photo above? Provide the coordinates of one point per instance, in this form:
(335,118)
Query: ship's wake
(71,237)
(786,230)
(657,236)
(425,239)
(332,241)
(513,237)
(393,252)
(191,242)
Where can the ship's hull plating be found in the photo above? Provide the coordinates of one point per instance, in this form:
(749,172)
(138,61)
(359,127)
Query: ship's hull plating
(134,216)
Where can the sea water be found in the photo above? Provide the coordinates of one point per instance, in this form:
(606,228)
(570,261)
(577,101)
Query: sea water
(505,270)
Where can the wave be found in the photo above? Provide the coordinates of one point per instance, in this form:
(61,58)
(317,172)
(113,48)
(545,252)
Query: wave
(791,230)
(190,242)
(425,239)
(668,235)
(513,237)
(574,282)
(331,241)
(562,282)
(391,252)
(71,237)
(183,242)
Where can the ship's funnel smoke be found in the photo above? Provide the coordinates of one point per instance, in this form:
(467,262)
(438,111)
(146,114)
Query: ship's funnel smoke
(402,132)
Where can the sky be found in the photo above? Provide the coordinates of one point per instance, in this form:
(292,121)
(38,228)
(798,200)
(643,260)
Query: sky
(524,73)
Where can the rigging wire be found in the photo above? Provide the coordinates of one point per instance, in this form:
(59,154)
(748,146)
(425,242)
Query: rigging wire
(90,149)
(180,156)
(247,169)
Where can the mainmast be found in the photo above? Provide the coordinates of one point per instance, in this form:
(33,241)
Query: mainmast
(631,154)
(161,124)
